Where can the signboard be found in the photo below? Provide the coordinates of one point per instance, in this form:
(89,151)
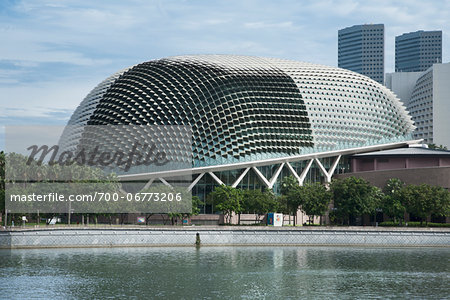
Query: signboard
(275,219)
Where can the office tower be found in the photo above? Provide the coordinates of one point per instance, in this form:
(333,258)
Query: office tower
(417,51)
(361,49)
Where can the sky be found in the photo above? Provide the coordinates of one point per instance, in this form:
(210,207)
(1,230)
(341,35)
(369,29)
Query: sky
(53,52)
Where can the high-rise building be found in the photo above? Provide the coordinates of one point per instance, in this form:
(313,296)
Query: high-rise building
(417,51)
(429,105)
(361,49)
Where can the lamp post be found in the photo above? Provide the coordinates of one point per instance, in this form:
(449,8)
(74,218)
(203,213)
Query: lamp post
(70,213)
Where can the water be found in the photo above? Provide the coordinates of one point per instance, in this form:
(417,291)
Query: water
(226,272)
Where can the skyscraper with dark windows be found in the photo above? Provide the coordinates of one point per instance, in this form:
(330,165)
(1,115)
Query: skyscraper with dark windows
(417,51)
(361,49)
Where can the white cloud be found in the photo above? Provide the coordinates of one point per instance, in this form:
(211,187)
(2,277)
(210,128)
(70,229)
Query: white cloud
(42,101)
(332,7)
(94,39)
(264,25)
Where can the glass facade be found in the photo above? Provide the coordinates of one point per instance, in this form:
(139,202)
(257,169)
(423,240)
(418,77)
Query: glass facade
(417,51)
(361,49)
(251,181)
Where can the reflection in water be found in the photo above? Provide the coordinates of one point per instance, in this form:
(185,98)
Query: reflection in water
(226,272)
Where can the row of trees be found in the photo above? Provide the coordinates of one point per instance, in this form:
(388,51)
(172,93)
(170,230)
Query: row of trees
(230,200)
(26,179)
(313,199)
(345,199)
(420,200)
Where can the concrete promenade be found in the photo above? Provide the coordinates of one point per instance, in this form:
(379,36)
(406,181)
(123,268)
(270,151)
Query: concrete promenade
(140,236)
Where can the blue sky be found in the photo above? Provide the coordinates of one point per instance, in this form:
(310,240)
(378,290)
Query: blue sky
(54,52)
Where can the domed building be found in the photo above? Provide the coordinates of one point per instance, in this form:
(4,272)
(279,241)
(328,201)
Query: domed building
(253,119)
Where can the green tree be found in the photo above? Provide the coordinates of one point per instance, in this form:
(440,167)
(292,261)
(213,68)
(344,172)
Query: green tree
(294,199)
(196,203)
(282,205)
(258,202)
(170,209)
(287,184)
(441,202)
(434,146)
(417,200)
(27,178)
(424,200)
(315,200)
(392,202)
(290,196)
(228,200)
(354,197)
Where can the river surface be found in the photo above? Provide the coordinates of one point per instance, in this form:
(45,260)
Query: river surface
(226,273)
